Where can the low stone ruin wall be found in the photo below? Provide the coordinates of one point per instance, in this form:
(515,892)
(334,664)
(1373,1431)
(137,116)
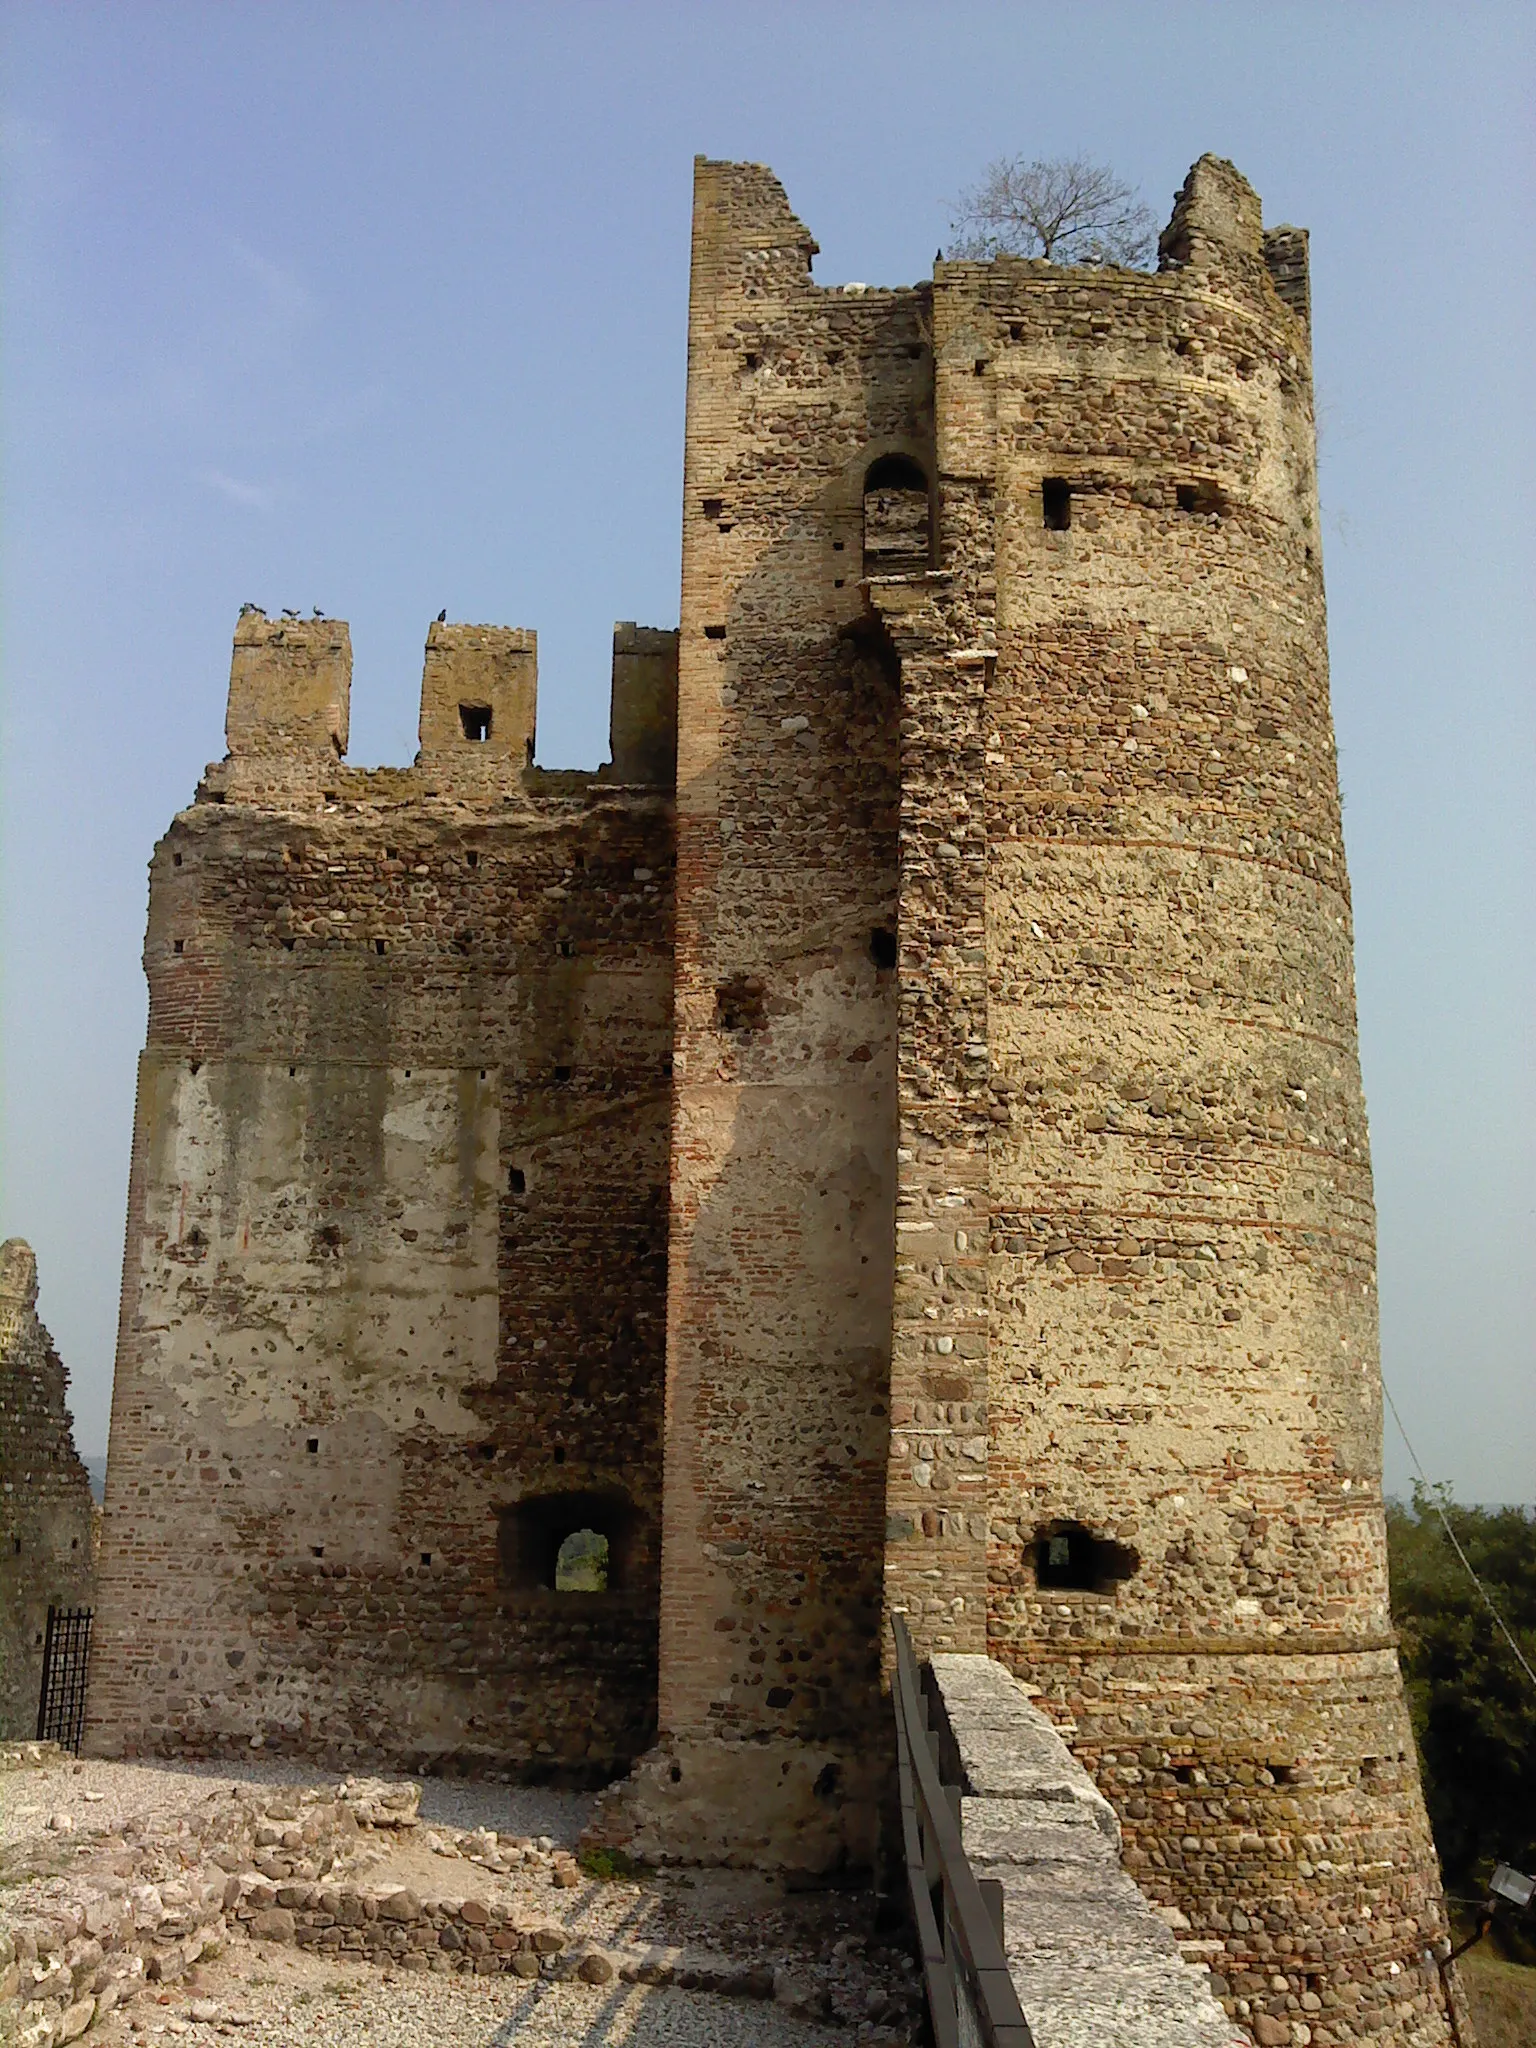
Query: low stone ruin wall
(142,1907)
(88,1924)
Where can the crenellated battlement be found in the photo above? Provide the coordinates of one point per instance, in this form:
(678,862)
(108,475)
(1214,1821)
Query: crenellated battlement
(479,696)
(290,694)
(290,685)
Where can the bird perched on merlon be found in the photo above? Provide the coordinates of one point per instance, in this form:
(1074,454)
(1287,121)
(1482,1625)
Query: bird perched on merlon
(442,615)
(288,614)
(315,612)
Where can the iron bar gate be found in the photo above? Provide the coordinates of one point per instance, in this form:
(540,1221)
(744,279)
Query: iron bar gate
(66,1653)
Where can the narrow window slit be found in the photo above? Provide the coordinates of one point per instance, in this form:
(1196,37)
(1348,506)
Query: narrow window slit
(1056,503)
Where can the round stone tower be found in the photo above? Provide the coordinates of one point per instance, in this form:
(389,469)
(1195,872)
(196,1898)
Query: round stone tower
(1090,1020)
(1185,1539)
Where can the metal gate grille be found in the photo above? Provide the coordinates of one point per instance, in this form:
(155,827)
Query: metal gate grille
(66,1652)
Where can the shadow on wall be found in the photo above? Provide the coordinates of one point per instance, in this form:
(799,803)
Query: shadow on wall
(782,1305)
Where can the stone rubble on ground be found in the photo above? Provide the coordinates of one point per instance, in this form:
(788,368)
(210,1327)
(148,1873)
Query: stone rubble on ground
(291,1865)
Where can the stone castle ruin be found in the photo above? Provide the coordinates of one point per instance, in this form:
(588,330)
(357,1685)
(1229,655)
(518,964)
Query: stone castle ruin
(47,1515)
(890,1139)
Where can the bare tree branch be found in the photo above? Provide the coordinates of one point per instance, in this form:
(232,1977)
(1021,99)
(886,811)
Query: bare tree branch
(1067,210)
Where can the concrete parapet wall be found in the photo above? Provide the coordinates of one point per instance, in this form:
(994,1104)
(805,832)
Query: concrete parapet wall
(1094,1965)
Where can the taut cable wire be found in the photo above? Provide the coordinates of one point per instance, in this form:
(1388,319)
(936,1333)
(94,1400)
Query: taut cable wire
(1466,1562)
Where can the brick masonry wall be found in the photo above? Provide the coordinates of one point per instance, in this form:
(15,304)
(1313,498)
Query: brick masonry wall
(1134,1246)
(46,1513)
(395,1267)
(783,1137)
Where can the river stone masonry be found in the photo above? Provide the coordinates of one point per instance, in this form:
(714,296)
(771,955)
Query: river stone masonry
(892,1139)
(1093,1964)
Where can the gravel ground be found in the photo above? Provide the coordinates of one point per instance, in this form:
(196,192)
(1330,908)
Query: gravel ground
(273,1995)
(100,1796)
(268,1998)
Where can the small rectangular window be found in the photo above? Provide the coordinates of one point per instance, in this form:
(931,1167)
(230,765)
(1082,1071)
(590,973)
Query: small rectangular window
(1203,498)
(476,721)
(1056,502)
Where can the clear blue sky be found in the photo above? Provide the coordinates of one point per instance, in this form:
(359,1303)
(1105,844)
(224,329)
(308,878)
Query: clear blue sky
(382,308)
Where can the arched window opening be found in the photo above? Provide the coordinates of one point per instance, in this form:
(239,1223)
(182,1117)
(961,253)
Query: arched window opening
(1071,1559)
(897,521)
(567,1543)
(581,1563)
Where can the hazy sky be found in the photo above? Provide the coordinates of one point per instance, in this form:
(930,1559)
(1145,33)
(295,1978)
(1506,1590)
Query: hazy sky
(382,308)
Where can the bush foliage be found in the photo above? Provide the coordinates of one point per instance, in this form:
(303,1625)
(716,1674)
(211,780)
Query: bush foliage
(1473,1708)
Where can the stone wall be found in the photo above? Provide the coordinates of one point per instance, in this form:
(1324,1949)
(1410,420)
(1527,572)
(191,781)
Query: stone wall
(138,1909)
(783,1135)
(1093,1964)
(46,1514)
(985,1126)
(393,1303)
(1133,1447)
(1183,1374)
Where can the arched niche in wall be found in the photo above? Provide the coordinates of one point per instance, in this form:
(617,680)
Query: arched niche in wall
(898,518)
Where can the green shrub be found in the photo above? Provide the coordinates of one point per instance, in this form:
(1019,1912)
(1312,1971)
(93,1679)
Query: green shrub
(1473,1708)
(608,1864)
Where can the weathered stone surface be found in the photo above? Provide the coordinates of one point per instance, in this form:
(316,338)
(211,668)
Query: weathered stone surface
(970,1035)
(74,2019)
(1008,1750)
(273,1923)
(46,1513)
(441,997)
(1093,1965)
